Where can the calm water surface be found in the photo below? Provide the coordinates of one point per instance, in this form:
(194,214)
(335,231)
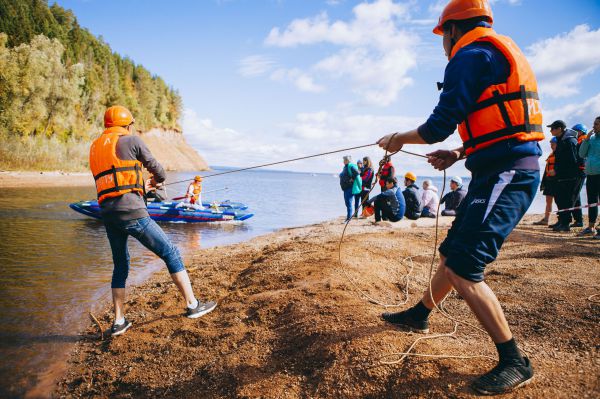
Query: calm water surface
(56,263)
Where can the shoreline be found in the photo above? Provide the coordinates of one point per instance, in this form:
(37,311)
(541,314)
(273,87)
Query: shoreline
(286,323)
(29,179)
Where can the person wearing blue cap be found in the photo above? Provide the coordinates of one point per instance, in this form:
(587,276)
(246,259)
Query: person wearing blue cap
(548,184)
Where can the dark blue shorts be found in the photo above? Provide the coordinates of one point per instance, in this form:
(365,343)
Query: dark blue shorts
(493,206)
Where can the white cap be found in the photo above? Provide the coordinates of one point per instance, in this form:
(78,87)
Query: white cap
(457,180)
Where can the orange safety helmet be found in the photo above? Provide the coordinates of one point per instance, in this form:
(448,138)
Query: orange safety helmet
(410,176)
(117,115)
(198,178)
(458,10)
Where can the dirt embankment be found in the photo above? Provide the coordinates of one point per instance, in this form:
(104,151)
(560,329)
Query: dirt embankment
(173,152)
(169,147)
(291,325)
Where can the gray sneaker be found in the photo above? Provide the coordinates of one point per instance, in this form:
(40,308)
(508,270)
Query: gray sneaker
(118,329)
(200,310)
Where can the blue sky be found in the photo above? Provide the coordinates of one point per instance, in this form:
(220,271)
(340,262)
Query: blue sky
(265,80)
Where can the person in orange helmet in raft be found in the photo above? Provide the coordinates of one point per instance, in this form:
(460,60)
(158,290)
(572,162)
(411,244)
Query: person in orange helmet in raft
(116,161)
(193,195)
(490,92)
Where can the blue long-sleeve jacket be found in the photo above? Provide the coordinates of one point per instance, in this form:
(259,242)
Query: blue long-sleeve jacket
(472,69)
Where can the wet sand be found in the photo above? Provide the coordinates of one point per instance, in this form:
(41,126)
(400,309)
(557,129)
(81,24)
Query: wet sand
(291,324)
(16,179)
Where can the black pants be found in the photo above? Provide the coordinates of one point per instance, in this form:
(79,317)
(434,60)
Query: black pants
(593,193)
(567,192)
(578,213)
(384,210)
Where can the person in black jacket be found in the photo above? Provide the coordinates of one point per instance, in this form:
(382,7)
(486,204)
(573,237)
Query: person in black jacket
(569,176)
(412,197)
(454,197)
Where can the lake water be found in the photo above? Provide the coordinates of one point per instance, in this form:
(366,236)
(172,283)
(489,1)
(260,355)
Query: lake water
(56,263)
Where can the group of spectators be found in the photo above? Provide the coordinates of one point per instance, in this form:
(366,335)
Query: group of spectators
(575,157)
(393,204)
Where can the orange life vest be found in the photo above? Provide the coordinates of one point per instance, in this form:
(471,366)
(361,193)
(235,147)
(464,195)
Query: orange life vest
(504,111)
(550,161)
(579,141)
(114,176)
(197,190)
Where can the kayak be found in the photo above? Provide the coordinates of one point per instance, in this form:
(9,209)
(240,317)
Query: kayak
(167,212)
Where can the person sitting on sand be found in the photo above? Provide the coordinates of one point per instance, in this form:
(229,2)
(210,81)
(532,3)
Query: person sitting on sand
(412,197)
(454,197)
(193,196)
(155,192)
(118,156)
(389,205)
(429,199)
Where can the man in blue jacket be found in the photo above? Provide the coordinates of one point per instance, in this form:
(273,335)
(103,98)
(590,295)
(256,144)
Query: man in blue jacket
(389,205)
(569,176)
(486,72)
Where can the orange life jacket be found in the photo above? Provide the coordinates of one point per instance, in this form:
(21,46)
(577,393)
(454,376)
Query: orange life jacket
(114,176)
(504,111)
(550,161)
(579,141)
(197,190)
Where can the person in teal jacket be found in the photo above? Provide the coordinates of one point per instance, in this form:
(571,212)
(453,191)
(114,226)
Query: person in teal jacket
(351,185)
(590,151)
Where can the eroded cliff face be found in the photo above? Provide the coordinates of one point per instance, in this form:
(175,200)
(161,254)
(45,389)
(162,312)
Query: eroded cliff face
(172,151)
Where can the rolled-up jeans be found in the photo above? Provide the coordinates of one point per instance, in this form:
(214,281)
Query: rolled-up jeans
(150,235)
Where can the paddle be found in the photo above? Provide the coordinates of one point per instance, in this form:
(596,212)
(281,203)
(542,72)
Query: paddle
(206,192)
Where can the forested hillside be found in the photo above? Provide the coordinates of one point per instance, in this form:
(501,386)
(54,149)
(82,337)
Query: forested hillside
(57,78)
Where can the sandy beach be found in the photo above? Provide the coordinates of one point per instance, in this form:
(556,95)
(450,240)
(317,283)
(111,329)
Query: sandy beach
(19,179)
(292,321)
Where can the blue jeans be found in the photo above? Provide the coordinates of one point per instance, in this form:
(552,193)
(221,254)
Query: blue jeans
(348,199)
(149,234)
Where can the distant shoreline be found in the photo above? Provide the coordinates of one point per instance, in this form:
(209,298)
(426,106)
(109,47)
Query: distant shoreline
(30,179)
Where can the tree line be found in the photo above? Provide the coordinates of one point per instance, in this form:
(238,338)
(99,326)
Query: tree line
(56,78)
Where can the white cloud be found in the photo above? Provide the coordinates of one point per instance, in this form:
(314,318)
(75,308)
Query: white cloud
(307,134)
(375,54)
(302,81)
(584,112)
(560,62)
(255,65)
(331,130)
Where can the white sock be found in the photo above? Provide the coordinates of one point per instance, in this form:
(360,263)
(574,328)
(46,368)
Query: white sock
(193,305)
(119,322)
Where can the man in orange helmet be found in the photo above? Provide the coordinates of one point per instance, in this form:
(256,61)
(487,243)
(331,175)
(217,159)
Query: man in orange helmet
(116,160)
(490,92)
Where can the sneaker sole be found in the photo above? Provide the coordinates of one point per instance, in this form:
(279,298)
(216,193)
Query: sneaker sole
(199,314)
(406,328)
(122,331)
(484,392)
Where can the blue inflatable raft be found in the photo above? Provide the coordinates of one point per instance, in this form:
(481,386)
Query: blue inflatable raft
(167,211)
